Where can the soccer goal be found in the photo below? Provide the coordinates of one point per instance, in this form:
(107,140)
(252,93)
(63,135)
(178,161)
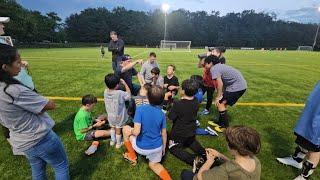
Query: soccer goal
(175,46)
(305,48)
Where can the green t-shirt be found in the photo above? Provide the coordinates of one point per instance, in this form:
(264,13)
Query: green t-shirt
(82,120)
(232,171)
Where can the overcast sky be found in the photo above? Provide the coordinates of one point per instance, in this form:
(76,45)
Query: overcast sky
(285,8)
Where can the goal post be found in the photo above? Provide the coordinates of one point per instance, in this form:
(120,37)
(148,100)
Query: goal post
(175,46)
(305,48)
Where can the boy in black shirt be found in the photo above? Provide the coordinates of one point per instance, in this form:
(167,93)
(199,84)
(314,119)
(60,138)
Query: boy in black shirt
(171,82)
(183,133)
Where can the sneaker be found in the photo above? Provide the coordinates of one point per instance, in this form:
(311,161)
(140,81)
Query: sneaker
(126,157)
(204,112)
(211,123)
(219,129)
(118,146)
(290,162)
(197,164)
(198,123)
(91,150)
(300,177)
(112,143)
(211,131)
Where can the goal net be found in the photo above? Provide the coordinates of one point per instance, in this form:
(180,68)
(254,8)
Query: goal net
(175,46)
(305,48)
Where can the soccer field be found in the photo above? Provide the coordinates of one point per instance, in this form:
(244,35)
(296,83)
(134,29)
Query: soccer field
(277,77)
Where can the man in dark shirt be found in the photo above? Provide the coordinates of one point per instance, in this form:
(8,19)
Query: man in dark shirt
(183,134)
(116,46)
(126,71)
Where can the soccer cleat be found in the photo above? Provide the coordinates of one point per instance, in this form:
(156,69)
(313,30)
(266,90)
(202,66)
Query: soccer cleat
(300,177)
(219,129)
(198,123)
(211,131)
(211,123)
(91,150)
(204,112)
(197,164)
(126,157)
(290,162)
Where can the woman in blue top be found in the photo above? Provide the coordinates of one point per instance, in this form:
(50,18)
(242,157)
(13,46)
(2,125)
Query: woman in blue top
(307,131)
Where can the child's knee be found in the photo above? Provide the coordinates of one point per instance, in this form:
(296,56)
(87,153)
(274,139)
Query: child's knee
(126,130)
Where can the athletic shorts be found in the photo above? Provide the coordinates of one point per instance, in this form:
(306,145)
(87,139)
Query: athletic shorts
(90,135)
(231,97)
(304,143)
(153,155)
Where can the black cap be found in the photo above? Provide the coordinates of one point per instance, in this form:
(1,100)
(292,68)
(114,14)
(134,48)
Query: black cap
(126,57)
(221,49)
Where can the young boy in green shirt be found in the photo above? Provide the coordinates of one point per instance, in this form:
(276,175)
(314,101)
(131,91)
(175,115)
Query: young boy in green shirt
(83,126)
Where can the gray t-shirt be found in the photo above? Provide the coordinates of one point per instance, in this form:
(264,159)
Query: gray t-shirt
(232,79)
(23,116)
(159,82)
(146,70)
(115,107)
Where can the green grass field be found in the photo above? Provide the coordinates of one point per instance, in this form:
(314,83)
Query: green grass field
(280,77)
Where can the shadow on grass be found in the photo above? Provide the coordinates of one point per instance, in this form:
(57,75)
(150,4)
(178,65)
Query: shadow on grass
(281,145)
(85,166)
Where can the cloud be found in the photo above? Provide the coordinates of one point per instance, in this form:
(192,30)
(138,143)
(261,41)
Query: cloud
(303,15)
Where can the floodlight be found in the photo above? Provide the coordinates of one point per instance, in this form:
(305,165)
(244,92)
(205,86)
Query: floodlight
(165,7)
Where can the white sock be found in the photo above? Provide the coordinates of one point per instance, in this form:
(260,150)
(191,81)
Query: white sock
(119,138)
(113,135)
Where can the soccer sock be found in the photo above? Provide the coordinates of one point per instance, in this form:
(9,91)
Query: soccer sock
(119,138)
(223,119)
(131,152)
(307,169)
(164,175)
(299,154)
(113,134)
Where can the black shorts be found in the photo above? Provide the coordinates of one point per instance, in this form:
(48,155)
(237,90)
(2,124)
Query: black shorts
(231,97)
(304,143)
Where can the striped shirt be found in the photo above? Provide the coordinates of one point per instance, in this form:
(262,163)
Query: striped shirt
(232,79)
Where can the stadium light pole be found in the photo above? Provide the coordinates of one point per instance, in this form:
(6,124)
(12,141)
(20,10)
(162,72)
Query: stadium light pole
(165,9)
(316,37)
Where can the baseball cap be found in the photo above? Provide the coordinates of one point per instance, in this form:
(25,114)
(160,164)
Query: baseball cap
(126,57)
(4,19)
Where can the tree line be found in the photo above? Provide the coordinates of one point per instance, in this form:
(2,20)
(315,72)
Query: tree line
(245,29)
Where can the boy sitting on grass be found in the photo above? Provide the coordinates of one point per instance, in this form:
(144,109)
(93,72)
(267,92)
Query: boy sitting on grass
(139,100)
(115,106)
(83,126)
(244,144)
(171,82)
(149,135)
(157,79)
(183,134)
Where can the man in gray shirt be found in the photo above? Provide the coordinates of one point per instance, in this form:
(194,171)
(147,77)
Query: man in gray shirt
(145,72)
(230,85)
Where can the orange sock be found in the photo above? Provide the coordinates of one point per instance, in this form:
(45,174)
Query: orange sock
(164,175)
(131,152)
(95,143)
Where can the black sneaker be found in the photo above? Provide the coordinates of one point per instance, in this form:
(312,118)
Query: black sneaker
(197,164)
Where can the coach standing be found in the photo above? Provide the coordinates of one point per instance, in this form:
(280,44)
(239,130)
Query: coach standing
(116,46)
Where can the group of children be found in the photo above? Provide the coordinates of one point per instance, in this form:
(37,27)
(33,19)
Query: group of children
(139,122)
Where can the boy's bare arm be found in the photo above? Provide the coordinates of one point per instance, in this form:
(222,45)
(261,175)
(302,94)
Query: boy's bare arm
(136,129)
